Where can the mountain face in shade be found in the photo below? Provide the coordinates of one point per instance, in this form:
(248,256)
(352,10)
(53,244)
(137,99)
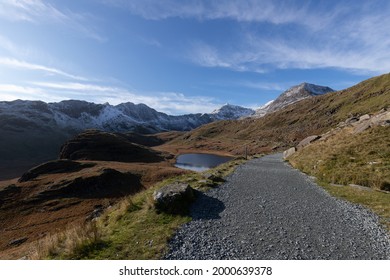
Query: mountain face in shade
(290,96)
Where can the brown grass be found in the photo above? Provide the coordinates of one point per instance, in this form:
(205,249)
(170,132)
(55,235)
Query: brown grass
(131,229)
(285,128)
(362,159)
(24,216)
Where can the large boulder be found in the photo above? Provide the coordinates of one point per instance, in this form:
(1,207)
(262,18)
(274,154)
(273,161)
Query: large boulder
(174,198)
(308,140)
(289,152)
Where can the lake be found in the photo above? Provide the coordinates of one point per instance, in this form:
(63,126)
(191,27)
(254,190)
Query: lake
(200,162)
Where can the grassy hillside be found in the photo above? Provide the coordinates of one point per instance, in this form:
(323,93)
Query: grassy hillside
(345,162)
(285,128)
(361,159)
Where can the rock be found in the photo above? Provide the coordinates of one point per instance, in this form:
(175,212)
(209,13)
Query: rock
(289,152)
(361,187)
(336,185)
(361,127)
(17,242)
(308,140)
(364,117)
(351,120)
(96,213)
(174,198)
(213,178)
(383,119)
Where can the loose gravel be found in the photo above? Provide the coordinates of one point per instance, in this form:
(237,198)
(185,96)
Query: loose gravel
(268,210)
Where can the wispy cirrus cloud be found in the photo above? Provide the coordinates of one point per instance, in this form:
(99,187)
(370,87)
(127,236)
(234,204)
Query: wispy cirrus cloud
(263,85)
(11,47)
(38,11)
(350,35)
(20,64)
(206,55)
(357,39)
(238,10)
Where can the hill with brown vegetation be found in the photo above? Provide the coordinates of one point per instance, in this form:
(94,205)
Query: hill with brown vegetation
(98,170)
(286,128)
(99,145)
(356,152)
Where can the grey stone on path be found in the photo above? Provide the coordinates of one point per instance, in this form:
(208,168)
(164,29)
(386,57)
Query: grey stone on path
(268,210)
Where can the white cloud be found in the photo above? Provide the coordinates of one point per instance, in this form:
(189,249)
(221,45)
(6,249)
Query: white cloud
(168,102)
(10,46)
(178,103)
(10,92)
(10,88)
(349,35)
(238,10)
(38,11)
(263,85)
(208,56)
(77,87)
(356,39)
(15,63)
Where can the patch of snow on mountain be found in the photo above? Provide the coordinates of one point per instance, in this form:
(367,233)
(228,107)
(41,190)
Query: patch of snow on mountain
(231,112)
(290,96)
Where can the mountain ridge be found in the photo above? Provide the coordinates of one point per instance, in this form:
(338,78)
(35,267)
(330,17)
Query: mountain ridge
(286,127)
(290,96)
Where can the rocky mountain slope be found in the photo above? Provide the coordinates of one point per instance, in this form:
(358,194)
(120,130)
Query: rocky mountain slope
(288,126)
(290,96)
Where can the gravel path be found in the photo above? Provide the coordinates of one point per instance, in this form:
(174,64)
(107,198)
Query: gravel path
(268,210)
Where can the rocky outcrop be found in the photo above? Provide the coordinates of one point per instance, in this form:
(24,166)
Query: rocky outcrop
(174,198)
(357,124)
(308,140)
(364,122)
(98,145)
(289,152)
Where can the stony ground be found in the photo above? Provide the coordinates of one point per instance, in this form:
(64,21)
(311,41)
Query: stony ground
(268,210)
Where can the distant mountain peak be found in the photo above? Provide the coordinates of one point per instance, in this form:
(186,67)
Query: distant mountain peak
(292,95)
(229,111)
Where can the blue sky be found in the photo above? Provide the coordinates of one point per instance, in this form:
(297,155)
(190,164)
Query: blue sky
(187,56)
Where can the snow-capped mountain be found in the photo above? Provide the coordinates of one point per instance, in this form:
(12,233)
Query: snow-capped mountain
(231,112)
(33,131)
(292,95)
(74,116)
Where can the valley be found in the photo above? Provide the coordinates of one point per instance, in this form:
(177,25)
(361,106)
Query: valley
(104,173)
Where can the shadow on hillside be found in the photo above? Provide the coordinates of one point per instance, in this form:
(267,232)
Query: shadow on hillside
(206,207)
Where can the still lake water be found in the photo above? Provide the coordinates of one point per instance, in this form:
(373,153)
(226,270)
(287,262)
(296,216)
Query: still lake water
(200,162)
